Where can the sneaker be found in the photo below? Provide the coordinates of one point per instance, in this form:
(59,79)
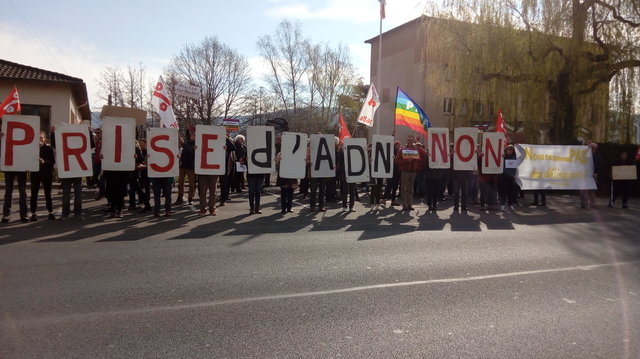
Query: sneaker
(502,207)
(119,214)
(79,218)
(64,217)
(344,209)
(289,210)
(132,208)
(222,204)
(203,212)
(213,212)
(512,208)
(465,208)
(351,209)
(6,219)
(322,209)
(395,204)
(145,210)
(24,219)
(179,201)
(52,217)
(190,202)
(34,217)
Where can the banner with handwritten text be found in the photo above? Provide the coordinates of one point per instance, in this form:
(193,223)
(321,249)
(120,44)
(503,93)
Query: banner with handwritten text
(555,167)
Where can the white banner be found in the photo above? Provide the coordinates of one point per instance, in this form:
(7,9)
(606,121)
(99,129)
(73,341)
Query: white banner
(293,154)
(323,156)
(439,148)
(371,104)
(162,105)
(118,144)
(356,160)
(555,167)
(210,152)
(20,143)
(162,151)
(492,147)
(464,144)
(261,149)
(382,155)
(186,90)
(73,151)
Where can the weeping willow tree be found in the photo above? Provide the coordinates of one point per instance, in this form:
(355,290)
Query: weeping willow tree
(548,64)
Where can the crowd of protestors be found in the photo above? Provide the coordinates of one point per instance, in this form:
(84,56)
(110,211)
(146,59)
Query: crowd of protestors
(412,176)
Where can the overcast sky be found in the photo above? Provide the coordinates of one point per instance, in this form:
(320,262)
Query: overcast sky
(82,37)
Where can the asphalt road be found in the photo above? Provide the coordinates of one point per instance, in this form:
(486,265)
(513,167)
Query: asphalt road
(556,282)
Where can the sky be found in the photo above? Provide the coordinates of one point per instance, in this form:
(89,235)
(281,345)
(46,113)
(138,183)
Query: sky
(82,37)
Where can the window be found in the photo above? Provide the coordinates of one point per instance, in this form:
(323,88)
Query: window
(477,108)
(463,107)
(44,112)
(447,106)
(491,109)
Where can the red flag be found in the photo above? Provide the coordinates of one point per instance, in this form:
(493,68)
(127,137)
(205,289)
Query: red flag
(344,131)
(500,126)
(382,4)
(11,104)
(638,154)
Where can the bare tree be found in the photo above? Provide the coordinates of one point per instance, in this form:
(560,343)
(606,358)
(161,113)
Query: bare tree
(221,73)
(286,58)
(110,85)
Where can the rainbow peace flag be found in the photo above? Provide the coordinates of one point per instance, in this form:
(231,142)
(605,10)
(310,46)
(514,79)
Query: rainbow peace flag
(409,114)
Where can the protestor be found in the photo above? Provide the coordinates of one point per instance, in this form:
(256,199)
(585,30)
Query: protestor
(237,183)
(187,167)
(337,182)
(9,178)
(162,189)
(487,184)
(394,182)
(287,186)
(207,183)
(44,176)
(623,187)
(254,182)
(316,185)
(588,197)
(98,177)
(376,185)
(409,163)
(229,164)
(134,183)
(346,189)
(419,187)
(67,183)
(434,178)
(144,171)
(507,187)
(461,181)
(539,198)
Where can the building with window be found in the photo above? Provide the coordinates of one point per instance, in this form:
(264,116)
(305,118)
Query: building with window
(56,98)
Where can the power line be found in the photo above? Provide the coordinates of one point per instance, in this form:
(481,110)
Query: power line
(32,31)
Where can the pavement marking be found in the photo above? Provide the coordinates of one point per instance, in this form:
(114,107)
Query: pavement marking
(13,322)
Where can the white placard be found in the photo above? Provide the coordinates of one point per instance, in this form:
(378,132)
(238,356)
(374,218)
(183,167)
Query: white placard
(187,90)
(356,160)
(73,151)
(555,167)
(118,144)
(439,148)
(210,152)
(261,149)
(162,149)
(492,149)
(293,155)
(20,143)
(510,163)
(382,149)
(464,143)
(624,173)
(323,156)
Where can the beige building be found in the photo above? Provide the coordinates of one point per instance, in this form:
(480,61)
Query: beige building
(55,97)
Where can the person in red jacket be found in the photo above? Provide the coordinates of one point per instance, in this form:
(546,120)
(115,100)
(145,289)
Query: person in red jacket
(409,162)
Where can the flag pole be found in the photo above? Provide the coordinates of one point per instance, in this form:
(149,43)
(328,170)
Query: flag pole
(379,72)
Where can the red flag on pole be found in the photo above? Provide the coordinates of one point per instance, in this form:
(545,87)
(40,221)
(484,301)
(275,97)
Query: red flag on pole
(11,104)
(500,126)
(382,4)
(344,131)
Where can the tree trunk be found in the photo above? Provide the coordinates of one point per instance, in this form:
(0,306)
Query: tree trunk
(562,111)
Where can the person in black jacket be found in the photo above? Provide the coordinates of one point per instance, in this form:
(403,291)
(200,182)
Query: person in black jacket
(229,167)
(507,187)
(187,167)
(44,176)
(623,187)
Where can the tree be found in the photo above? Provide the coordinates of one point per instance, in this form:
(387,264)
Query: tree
(548,63)
(110,85)
(286,57)
(221,73)
(131,88)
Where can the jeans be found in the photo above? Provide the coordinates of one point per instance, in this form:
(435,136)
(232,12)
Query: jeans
(164,185)
(286,198)
(47,181)
(314,184)
(255,187)
(22,190)
(66,184)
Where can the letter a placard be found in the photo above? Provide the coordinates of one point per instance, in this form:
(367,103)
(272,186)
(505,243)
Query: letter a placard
(73,151)
(118,144)
(261,148)
(162,148)
(20,146)
(323,156)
